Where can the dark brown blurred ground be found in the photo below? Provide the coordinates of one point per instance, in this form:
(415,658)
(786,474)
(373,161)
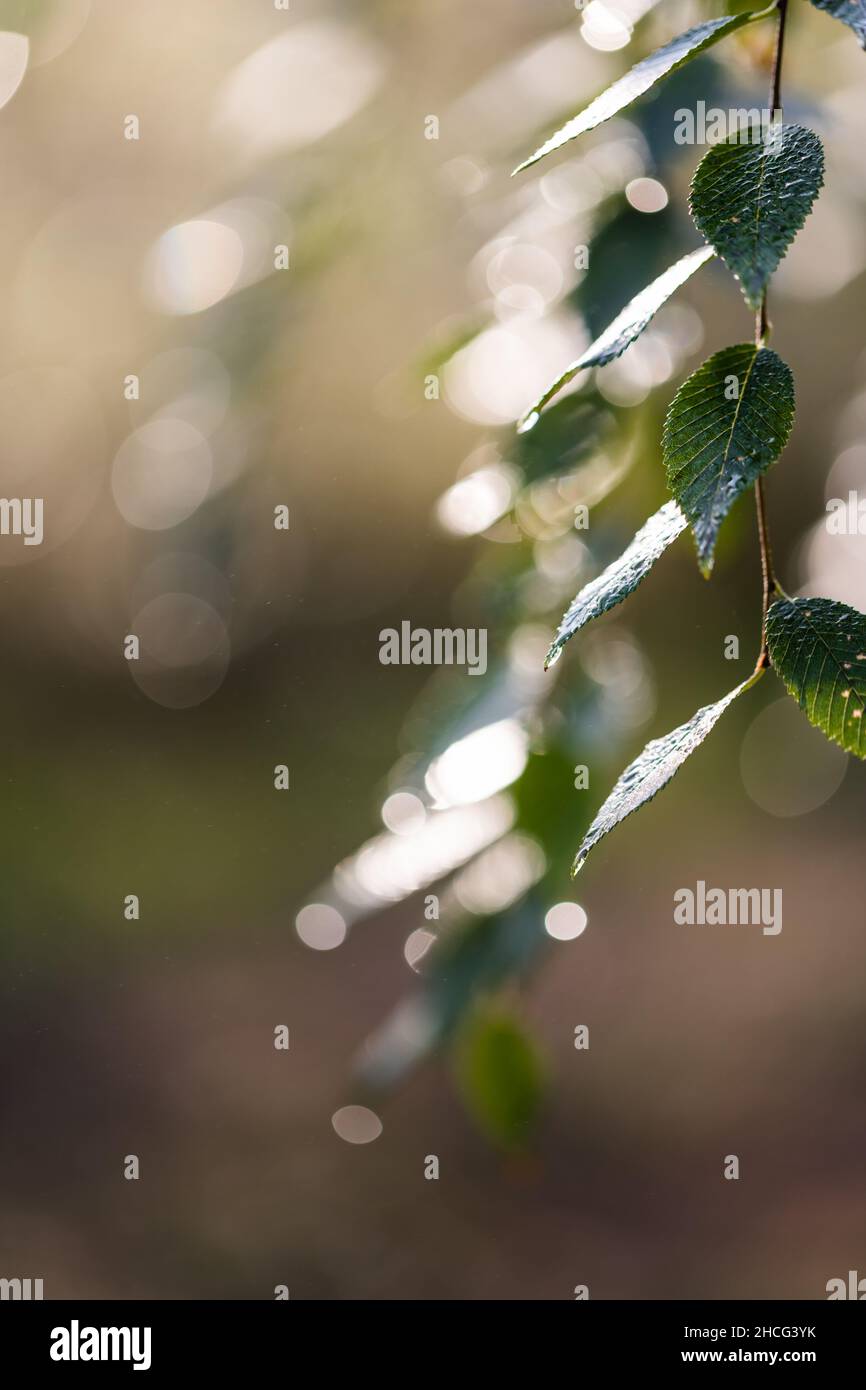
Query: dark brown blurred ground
(700,1047)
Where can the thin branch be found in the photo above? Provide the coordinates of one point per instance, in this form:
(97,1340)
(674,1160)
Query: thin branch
(768,577)
(769,583)
(776,80)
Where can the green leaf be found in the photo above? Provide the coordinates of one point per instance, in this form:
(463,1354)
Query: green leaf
(715,447)
(622,577)
(643,76)
(655,767)
(750,199)
(500,1077)
(626,251)
(627,326)
(572,431)
(818,648)
(851,12)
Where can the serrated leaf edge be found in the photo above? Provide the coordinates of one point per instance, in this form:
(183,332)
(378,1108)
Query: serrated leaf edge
(719,707)
(792,691)
(597,355)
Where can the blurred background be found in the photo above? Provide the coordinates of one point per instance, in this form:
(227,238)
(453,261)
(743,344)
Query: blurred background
(236,275)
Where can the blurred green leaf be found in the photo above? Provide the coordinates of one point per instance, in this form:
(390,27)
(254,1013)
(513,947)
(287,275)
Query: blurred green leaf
(703,78)
(627,251)
(544,795)
(500,1076)
(564,437)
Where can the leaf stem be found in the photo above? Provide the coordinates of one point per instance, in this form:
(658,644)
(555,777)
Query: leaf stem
(769,583)
(768,578)
(776,80)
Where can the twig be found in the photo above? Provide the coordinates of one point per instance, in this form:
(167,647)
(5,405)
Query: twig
(769,583)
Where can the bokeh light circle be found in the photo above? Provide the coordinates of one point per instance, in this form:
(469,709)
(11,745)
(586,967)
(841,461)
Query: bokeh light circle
(161,474)
(184,650)
(356,1124)
(565,921)
(788,767)
(321,927)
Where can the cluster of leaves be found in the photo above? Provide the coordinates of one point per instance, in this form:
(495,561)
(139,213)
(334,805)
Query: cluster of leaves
(726,426)
(728,423)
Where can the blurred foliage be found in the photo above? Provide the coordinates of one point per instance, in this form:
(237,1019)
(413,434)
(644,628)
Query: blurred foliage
(579,450)
(500,1077)
(162,1026)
